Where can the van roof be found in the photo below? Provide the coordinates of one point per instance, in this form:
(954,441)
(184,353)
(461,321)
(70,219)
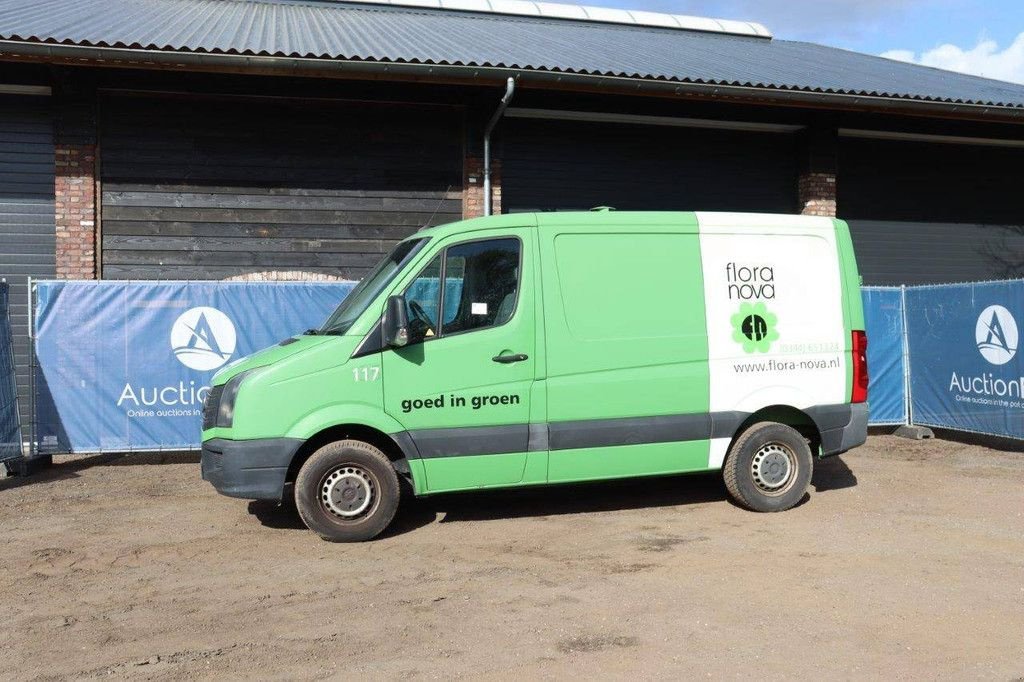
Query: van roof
(624,219)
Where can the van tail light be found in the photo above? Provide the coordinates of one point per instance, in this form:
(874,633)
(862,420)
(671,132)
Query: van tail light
(860,368)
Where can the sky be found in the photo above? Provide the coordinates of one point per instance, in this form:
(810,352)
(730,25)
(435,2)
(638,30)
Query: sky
(982,37)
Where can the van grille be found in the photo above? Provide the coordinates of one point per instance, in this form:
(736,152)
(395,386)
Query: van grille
(211,406)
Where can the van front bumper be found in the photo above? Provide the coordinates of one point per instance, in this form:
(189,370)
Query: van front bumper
(250,469)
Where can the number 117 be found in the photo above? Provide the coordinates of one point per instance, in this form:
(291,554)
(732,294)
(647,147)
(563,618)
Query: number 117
(365,373)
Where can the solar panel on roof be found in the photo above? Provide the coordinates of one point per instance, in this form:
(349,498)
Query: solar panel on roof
(555,10)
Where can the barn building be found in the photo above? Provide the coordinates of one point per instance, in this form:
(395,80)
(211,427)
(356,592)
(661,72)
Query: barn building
(284,139)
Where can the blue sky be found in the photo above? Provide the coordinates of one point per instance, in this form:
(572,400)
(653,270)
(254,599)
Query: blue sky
(985,37)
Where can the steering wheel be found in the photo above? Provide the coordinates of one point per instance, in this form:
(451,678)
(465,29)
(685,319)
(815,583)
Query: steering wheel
(421,315)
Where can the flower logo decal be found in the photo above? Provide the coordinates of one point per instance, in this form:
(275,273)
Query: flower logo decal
(754,327)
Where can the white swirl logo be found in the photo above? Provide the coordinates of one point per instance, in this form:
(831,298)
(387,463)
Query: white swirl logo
(996,334)
(203,338)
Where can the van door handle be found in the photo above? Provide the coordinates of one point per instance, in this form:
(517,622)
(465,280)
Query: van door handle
(505,359)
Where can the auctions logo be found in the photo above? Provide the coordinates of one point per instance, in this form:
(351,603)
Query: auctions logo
(203,338)
(996,335)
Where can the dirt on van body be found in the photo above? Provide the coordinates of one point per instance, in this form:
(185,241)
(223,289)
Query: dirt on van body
(905,560)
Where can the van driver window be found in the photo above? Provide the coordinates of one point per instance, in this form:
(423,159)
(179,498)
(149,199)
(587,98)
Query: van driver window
(481,285)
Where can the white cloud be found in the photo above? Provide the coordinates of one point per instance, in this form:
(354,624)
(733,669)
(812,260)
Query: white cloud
(985,59)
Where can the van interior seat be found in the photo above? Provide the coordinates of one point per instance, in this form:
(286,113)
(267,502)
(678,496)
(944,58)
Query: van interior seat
(508,304)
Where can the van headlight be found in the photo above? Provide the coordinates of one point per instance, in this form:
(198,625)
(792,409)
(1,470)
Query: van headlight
(226,408)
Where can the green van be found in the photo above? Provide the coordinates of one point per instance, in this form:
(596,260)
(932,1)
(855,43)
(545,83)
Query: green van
(533,349)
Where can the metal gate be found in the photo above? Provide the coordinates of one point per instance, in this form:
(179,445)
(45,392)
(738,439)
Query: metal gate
(10,423)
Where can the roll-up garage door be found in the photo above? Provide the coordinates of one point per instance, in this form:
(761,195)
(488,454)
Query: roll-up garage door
(27,245)
(573,165)
(216,188)
(926,213)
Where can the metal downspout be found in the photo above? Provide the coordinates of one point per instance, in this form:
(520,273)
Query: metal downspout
(510,88)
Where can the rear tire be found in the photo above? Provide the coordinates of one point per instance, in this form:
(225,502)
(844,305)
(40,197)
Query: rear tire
(768,468)
(347,491)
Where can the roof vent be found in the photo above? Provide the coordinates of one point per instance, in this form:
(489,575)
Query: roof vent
(552,10)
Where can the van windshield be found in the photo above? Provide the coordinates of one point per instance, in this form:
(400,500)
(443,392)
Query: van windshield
(360,298)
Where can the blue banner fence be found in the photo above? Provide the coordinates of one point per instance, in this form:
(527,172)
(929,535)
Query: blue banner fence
(887,354)
(965,369)
(124,366)
(10,424)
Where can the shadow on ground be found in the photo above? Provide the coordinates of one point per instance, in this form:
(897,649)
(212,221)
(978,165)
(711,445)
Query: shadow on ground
(985,441)
(584,498)
(68,466)
(832,473)
(607,496)
(1000,443)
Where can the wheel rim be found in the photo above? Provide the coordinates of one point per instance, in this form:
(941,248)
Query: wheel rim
(348,492)
(774,468)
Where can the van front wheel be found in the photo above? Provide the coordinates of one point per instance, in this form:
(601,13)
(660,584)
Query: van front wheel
(768,468)
(347,491)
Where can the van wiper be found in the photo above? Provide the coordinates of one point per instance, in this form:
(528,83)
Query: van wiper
(311,332)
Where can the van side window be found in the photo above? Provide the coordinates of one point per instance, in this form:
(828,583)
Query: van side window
(481,287)
(481,284)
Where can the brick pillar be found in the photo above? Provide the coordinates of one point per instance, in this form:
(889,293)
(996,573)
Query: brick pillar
(75,178)
(495,186)
(75,195)
(817,194)
(473,187)
(816,185)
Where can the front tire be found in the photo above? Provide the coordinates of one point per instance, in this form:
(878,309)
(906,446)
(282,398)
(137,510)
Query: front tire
(347,491)
(768,468)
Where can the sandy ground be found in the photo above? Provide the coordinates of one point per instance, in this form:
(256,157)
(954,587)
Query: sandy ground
(906,560)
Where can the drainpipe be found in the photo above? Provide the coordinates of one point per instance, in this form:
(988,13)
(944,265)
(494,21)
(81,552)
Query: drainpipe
(510,88)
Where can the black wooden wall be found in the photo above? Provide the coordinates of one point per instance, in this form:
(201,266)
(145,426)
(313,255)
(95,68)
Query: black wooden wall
(571,165)
(212,188)
(924,213)
(27,232)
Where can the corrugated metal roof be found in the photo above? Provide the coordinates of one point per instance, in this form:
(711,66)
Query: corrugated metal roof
(338,31)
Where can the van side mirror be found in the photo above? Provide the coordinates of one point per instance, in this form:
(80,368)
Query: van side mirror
(396,322)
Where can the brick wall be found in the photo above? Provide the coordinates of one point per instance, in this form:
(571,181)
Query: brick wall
(473,187)
(75,205)
(817,194)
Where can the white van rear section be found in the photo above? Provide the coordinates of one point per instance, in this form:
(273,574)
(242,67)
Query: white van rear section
(773,302)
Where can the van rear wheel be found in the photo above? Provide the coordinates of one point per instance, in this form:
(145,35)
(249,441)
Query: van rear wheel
(768,468)
(347,491)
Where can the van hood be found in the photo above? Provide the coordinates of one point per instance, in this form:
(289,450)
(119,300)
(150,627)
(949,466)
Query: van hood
(268,356)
